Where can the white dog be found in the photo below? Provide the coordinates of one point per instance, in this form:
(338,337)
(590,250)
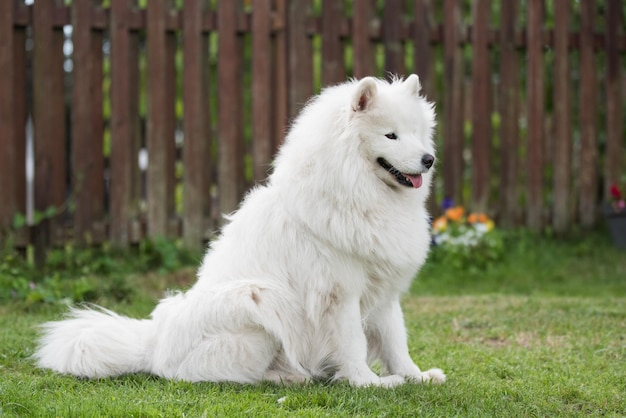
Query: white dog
(305,280)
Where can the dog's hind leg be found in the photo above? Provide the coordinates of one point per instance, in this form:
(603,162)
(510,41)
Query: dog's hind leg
(281,372)
(241,358)
(227,332)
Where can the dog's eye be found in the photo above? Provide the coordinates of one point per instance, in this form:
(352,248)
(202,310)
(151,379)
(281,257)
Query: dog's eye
(391,135)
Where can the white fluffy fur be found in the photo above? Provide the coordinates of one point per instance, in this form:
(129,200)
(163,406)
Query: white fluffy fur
(305,280)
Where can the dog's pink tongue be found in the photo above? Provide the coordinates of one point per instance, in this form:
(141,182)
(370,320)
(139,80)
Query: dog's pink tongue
(416,180)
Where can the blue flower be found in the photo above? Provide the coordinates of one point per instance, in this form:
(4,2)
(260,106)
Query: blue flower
(447,203)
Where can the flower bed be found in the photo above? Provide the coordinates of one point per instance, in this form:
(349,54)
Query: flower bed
(468,241)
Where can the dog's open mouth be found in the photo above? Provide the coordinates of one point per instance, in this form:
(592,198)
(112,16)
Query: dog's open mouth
(408,180)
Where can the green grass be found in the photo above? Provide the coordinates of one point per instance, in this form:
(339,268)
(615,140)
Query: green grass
(542,333)
(583,264)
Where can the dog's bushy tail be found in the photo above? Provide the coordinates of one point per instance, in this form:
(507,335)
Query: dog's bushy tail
(94,343)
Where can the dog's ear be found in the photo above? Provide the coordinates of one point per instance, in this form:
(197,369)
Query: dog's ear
(413,85)
(364,96)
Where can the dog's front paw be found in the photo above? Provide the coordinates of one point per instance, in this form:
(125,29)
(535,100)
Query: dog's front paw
(384,382)
(434,376)
(371,379)
(392,381)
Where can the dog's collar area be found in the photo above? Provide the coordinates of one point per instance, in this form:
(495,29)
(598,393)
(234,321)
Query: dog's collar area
(408,180)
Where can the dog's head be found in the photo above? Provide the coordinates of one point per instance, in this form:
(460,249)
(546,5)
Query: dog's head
(395,125)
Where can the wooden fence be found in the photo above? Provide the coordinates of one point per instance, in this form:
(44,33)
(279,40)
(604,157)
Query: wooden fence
(530,96)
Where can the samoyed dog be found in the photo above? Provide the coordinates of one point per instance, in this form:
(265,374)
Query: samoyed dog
(304,281)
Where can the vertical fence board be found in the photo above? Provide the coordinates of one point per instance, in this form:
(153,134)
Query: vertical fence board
(481,107)
(262,88)
(535,103)
(422,54)
(173,226)
(97,133)
(20,115)
(508,105)
(392,37)
(87,167)
(562,110)
(160,124)
(614,106)
(81,111)
(123,113)
(588,90)
(300,53)
(453,105)
(362,48)
(49,122)
(281,64)
(195,123)
(59,133)
(333,67)
(137,130)
(423,65)
(8,195)
(230,169)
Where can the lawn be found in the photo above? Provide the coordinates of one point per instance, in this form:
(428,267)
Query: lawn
(540,333)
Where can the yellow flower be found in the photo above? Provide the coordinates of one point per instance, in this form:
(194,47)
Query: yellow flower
(440,224)
(490,225)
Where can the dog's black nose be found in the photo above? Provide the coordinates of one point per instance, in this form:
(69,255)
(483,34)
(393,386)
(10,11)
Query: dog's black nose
(428,160)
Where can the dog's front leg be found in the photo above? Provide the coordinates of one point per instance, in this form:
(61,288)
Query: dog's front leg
(388,333)
(351,348)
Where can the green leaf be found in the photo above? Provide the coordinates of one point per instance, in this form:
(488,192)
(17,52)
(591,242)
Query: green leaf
(19,220)
(50,212)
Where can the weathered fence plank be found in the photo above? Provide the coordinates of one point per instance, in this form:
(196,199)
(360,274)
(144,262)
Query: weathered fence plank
(614,164)
(481,107)
(281,69)
(562,160)
(87,125)
(300,53)
(8,144)
(20,115)
(49,118)
(422,49)
(392,37)
(424,66)
(509,208)
(160,120)
(362,47)
(230,168)
(262,89)
(535,109)
(99,234)
(453,105)
(124,128)
(196,191)
(588,170)
(333,66)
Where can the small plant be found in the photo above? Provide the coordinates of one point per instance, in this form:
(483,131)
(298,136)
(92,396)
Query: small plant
(467,241)
(163,255)
(20,221)
(59,281)
(72,274)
